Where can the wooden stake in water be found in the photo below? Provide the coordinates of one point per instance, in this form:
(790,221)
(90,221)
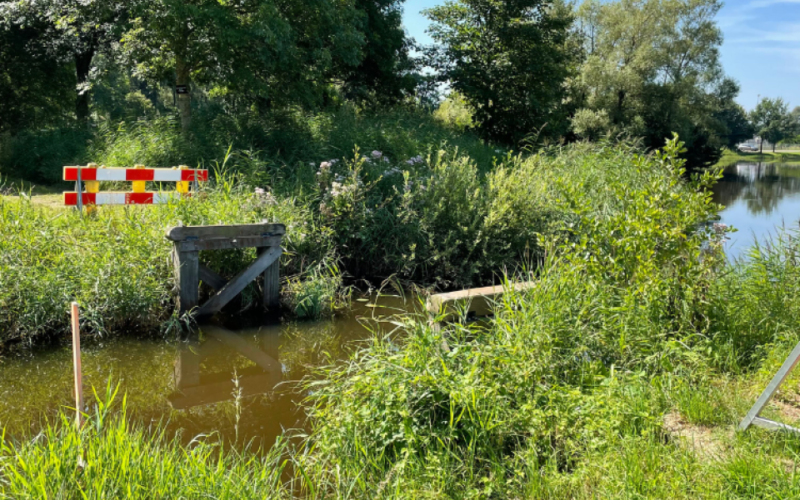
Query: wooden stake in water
(76,361)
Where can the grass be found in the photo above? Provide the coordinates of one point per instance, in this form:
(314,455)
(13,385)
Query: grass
(124,460)
(729,157)
(437,220)
(621,374)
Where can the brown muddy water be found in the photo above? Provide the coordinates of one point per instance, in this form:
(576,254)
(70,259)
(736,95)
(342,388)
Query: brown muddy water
(196,386)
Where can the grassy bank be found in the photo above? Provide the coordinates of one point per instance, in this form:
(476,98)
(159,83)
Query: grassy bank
(621,374)
(438,219)
(730,156)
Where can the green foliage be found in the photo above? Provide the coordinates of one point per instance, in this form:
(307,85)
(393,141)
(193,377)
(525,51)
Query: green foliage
(35,90)
(554,376)
(652,69)
(508,59)
(112,458)
(385,71)
(455,112)
(773,122)
(315,295)
(40,156)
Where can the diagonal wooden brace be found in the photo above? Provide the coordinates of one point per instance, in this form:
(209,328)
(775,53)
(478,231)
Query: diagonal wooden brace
(235,286)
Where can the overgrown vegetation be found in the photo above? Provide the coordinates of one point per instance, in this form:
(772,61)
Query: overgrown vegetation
(437,220)
(620,374)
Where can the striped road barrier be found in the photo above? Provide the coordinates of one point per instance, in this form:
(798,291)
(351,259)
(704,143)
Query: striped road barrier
(91,175)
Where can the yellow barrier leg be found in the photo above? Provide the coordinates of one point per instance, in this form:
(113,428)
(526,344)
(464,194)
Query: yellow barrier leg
(182,186)
(139,186)
(91,187)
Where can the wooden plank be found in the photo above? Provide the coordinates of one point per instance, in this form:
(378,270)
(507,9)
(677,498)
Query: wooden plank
(247,349)
(235,286)
(182,233)
(479,301)
(187,278)
(211,278)
(229,243)
(271,297)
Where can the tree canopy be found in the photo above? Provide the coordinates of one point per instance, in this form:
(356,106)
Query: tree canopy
(773,121)
(508,59)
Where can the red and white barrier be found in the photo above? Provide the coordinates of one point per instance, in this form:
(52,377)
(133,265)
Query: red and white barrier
(135,174)
(116,198)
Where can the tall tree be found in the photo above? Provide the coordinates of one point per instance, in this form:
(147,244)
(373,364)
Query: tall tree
(652,68)
(385,71)
(74,30)
(272,50)
(508,58)
(773,121)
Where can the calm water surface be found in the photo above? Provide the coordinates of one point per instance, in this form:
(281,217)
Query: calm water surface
(191,384)
(758,197)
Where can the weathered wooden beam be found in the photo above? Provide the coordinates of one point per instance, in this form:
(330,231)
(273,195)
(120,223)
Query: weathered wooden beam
(272,282)
(228,243)
(188,280)
(211,278)
(235,286)
(479,301)
(182,233)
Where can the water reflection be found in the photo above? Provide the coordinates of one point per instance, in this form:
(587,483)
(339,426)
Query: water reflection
(211,383)
(758,196)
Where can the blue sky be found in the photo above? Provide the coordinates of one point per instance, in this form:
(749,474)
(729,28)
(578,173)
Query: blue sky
(761,49)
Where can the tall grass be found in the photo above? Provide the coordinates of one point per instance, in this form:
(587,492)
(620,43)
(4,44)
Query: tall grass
(564,394)
(117,265)
(111,457)
(620,374)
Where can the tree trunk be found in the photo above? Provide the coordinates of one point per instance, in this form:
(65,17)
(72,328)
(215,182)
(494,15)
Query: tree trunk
(773,148)
(184,92)
(761,146)
(83,63)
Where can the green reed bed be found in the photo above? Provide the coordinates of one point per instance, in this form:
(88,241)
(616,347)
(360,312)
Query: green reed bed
(433,219)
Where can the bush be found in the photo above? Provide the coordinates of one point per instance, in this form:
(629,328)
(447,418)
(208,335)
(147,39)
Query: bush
(39,156)
(562,370)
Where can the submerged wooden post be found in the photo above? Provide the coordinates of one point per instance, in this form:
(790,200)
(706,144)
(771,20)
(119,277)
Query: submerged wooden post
(190,240)
(76,362)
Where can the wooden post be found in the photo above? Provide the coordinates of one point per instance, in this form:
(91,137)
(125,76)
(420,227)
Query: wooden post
(76,361)
(187,266)
(272,282)
(188,241)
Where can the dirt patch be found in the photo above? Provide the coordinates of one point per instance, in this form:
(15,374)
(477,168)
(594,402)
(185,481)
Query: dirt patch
(790,411)
(700,439)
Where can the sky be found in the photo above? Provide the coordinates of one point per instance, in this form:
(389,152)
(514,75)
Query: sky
(761,47)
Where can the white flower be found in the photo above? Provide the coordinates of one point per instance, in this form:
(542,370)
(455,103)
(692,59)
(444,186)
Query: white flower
(324,165)
(311,163)
(259,191)
(376,154)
